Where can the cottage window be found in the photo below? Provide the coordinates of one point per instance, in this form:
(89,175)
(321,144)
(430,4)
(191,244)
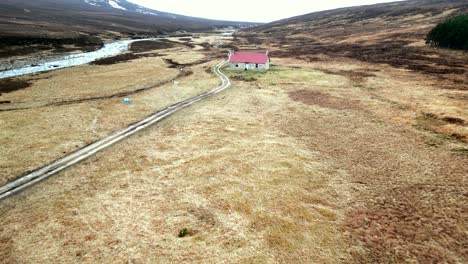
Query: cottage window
(256,65)
(237,65)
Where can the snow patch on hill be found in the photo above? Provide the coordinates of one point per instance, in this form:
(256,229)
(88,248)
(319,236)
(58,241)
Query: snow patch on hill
(116,5)
(122,5)
(146,12)
(91,3)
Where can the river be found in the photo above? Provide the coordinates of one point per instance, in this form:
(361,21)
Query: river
(108,50)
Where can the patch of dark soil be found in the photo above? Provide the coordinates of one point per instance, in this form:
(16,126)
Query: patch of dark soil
(148,45)
(218,54)
(458,137)
(188,72)
(243,78)
(8,85)
(188,44)
(6,52)
(142,35)
(229,46)
(323,100)
(208,70)
(23,45)
(436,120)
(462,97)
(356,76)
(433,123)
(431,69)
(254,40)
(204,215)
(454,120)
(174,65)
(312,59)
(430,115)
(206,46)
(122,58)
(429,121)
(421,221)
(23,40)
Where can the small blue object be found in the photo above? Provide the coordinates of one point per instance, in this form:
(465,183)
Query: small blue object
(127,100)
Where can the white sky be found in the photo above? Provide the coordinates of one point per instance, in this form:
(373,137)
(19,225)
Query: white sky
(249,10)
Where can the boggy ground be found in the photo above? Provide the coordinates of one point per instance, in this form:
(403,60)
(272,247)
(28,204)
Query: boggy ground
(312,162)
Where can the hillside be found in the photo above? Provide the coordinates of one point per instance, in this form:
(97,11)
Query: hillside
(70,17)
(391,33)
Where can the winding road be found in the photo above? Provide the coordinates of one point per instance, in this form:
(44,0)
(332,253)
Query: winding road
(81,154)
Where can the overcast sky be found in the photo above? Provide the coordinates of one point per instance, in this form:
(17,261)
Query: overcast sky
(249,10)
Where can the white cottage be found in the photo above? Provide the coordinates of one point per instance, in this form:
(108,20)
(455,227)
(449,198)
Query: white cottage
(253,61)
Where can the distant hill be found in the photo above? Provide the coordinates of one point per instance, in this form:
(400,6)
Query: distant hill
(341,24)
(391,33)
(113,18)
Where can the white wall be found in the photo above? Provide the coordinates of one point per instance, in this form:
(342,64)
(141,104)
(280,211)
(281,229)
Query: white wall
(249,66)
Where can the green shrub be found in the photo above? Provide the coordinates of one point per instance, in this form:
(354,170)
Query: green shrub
(452,33)
(186,232)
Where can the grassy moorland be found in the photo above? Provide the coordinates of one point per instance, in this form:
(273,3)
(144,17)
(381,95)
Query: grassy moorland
(329,157)
(399,128)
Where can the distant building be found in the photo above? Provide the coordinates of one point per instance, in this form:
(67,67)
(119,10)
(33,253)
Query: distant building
(249,61)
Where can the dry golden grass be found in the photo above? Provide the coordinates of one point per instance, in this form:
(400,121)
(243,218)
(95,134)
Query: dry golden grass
(249,192)
(403,184)
(274,170)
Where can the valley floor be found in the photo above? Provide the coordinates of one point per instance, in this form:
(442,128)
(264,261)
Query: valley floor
(318,162)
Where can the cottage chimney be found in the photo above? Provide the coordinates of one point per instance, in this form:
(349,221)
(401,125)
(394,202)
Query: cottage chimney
(267,52)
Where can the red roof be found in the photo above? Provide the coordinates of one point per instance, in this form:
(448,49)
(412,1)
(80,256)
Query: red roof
(249,57)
